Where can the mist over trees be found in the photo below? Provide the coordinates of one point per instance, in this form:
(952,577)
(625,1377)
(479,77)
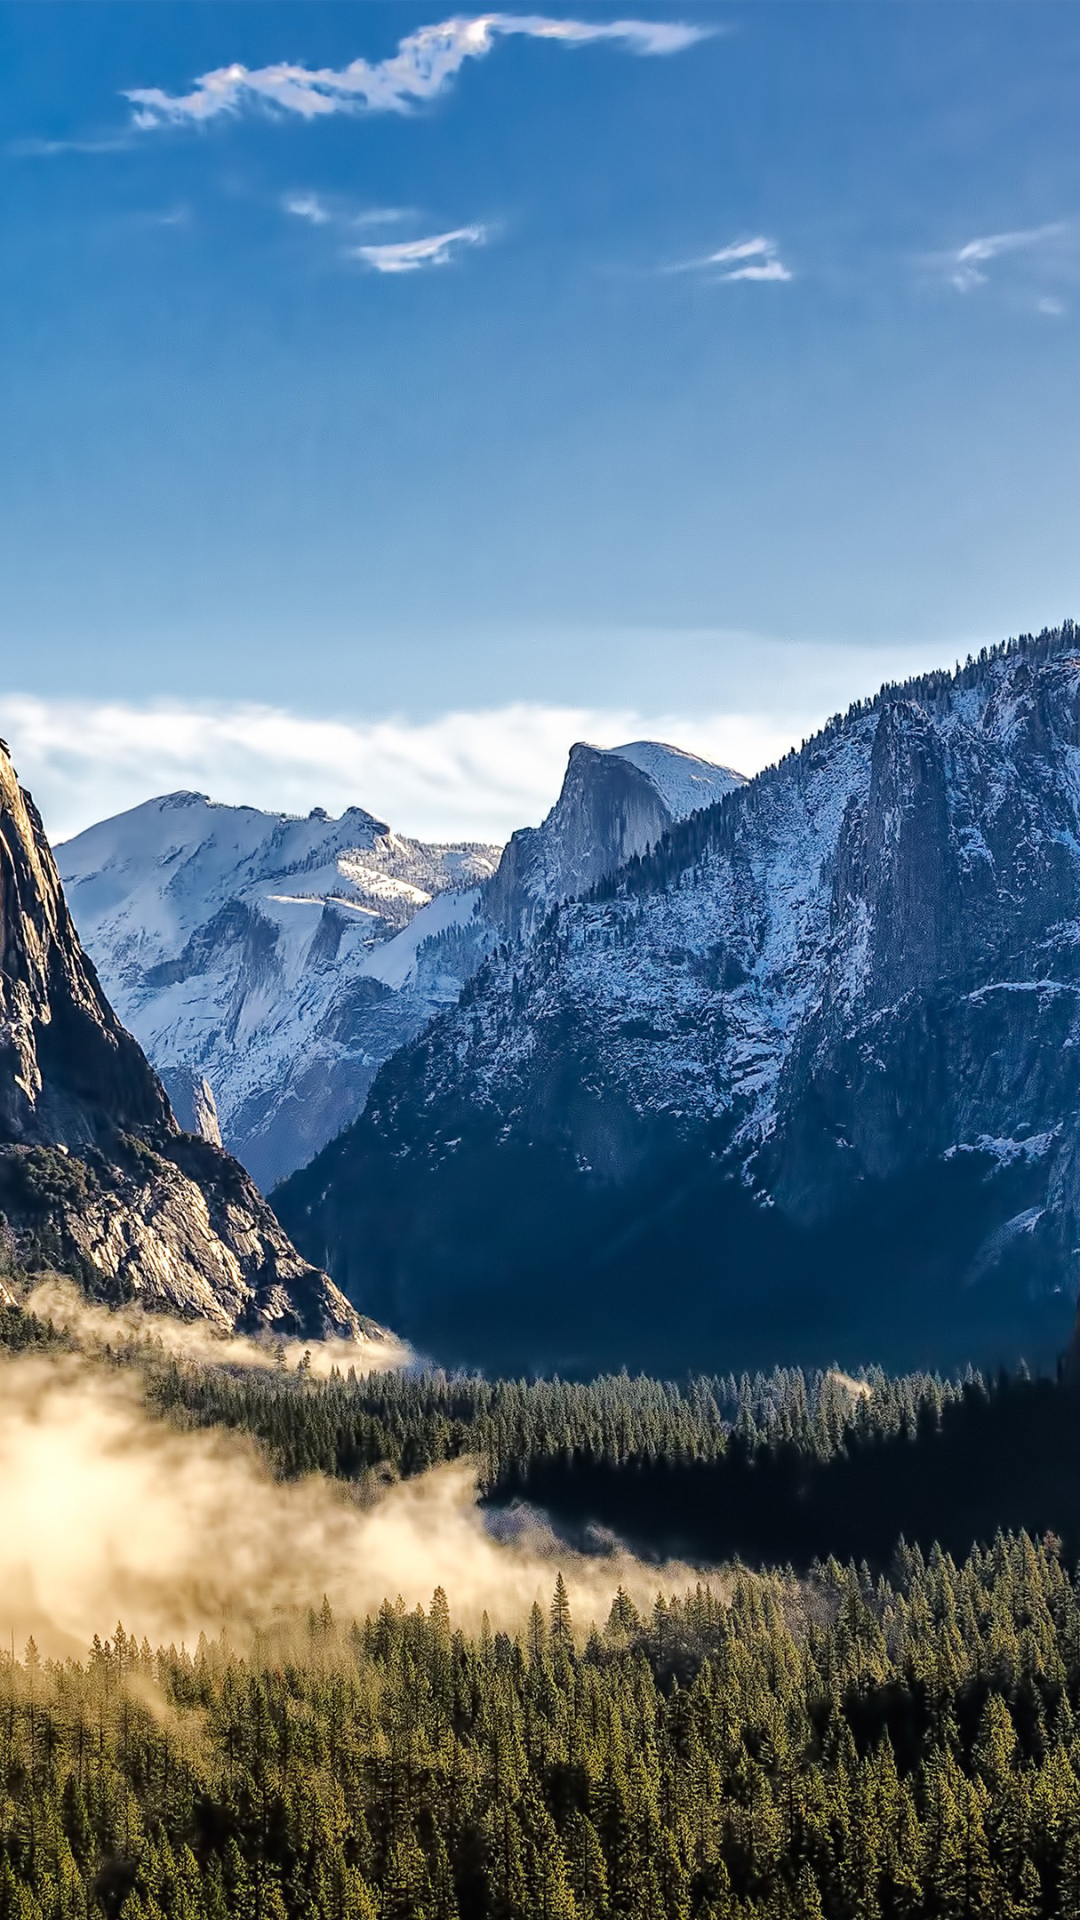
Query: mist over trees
(845,1735)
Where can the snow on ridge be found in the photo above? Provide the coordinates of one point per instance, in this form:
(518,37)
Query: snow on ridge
(684,781)
(157,873)
(696,996)
(394,961)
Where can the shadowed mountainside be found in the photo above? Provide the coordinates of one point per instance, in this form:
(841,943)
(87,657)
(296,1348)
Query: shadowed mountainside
(800,1083)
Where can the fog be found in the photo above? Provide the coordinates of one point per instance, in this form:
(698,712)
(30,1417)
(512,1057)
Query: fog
(109,1513)
(59,1302)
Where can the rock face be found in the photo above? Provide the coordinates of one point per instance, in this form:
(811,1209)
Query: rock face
(96,1177)
(192,1100)
(615,802)
(278,962)
(802,1083)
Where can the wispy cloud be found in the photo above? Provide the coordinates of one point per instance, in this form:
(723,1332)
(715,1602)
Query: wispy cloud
(406,256)
(319,212)
(756,259)
(308,206)
(46,149)
(424,64)
(966,266)
(399,256)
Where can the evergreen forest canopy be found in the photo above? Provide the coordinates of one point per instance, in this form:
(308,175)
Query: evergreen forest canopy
(865,1733)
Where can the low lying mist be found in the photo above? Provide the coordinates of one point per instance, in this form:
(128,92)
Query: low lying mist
(59,1302)
(107,1513)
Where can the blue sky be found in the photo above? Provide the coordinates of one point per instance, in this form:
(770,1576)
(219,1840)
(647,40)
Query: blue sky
(558,375)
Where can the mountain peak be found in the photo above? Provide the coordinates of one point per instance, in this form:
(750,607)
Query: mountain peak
(241,947)
(685,781)
(615,802)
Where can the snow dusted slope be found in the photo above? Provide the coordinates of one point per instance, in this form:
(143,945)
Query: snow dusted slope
(684,782)
(803,1082)
(282,960)
(245,948)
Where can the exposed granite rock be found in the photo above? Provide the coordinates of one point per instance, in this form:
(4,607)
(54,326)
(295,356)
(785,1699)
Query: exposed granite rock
(607,810)
(96,1177)
(192,1100)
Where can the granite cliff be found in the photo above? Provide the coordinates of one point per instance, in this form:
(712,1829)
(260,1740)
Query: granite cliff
(96,1177)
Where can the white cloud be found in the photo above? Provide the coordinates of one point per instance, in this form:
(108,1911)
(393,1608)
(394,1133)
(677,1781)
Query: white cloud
(47,149)
(424,64)
(756,259)
(739,250)
(468,775)
(761,270)
(318,212)
(965,265)
(308,206)
(405,256)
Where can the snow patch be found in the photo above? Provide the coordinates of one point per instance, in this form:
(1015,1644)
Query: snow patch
(684,782)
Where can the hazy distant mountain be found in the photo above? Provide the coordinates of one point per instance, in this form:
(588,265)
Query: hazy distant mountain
(803,1082)
(95,1176)
(269,965)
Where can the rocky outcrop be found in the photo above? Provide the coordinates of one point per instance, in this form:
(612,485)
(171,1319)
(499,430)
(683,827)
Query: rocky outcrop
(803,1082)
(614,803)
(96,1177)
(191,1098)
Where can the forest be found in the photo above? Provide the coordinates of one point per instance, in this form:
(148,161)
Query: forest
(797,1732)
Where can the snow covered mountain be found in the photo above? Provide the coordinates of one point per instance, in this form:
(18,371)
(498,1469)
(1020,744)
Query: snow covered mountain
(803,1081)
(269,965)
(246,950)
(95,1176)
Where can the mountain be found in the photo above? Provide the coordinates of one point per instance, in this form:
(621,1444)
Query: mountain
(269,965)
(96,1177)
(801,1083)
(245,950)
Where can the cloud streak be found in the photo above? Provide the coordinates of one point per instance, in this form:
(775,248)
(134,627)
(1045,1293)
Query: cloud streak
(34,149)
(395,257)
(407,256)
(756,259)
(966,266)
(423,66)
